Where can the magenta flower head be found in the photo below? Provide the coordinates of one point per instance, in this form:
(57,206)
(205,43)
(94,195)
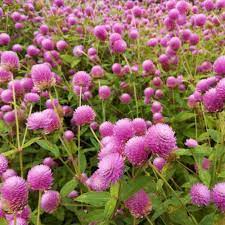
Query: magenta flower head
(135,151)
(40,178)
(42,76)
(218,196)
(100,32)
(125,98)
(139,125)
(82,79)
(191,143)
(78,50)
(200,195)
(10,60)
(106,129)
(31,98)
(14,194)
(104,92)
(123,129)
(139,204)
(47,120)
(61,45)
(219,65)
(50,201)
(160,139)
(211,101)
(19,221)
(111,167)
(68,135)
(83,115)
(97,182)
(4,39)
(119,46)
(3,164)
(97,71)
(159,163)
(220,89)
(148,66)
(49,161)
(5,75)
(8,173)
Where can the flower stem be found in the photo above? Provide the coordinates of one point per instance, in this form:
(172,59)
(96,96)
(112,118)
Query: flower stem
(39,208)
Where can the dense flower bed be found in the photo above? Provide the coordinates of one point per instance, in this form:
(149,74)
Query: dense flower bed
(112,112)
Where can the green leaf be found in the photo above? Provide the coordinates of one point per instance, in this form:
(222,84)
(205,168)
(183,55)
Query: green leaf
(68,187)
(110,208)
(205,177)
(30,142)
(208,219)
(182,116)
(83,162)
(133,186)
(94,198)
(214,135)
(47,145)
(3,221)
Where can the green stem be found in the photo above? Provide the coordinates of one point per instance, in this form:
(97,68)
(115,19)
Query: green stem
(95,136)
(39,208)
(148,219)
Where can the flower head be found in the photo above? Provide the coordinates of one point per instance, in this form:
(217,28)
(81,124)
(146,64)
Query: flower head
(14,193)
(218,196)
(40,177)
(3,164)
(50,201)
(139,204)
(200,194)
(83,115)
(10,59)
(135,151)
(160,139)
(111,167)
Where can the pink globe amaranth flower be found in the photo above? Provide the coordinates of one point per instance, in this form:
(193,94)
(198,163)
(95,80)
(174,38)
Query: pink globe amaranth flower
(9,117)
(14,194)
(19,221)
(97,182)
(100,32)
(119,46)
(139,126)
(139,204)
(218,196)
(156,107)
(78,50)
(125,98)
(32,50)
(94,125)
(7,96)
(42,76)
(10,59)
(40,178)
(211,101)
(149,92)
(148,66)
(61,45)
(31,97)
(219,65)
(4,39)
(191,143)
(47,120)
(171,82)
(27,84)
(50,201)
(175,43)
(104,92)
(111,167)
(68,135)
(123,129)
(48,161)
(3,164)
(160,139)
(159,163)
(24,214)
(97,71)
(200,195)
(5,75)
(83,115)
(73,194)
(47,44)
(8,173)
(220,89)
(82,79)
(116,68)
(106,129)
(135,151)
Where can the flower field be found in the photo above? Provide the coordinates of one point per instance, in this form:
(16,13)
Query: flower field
(112,112)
